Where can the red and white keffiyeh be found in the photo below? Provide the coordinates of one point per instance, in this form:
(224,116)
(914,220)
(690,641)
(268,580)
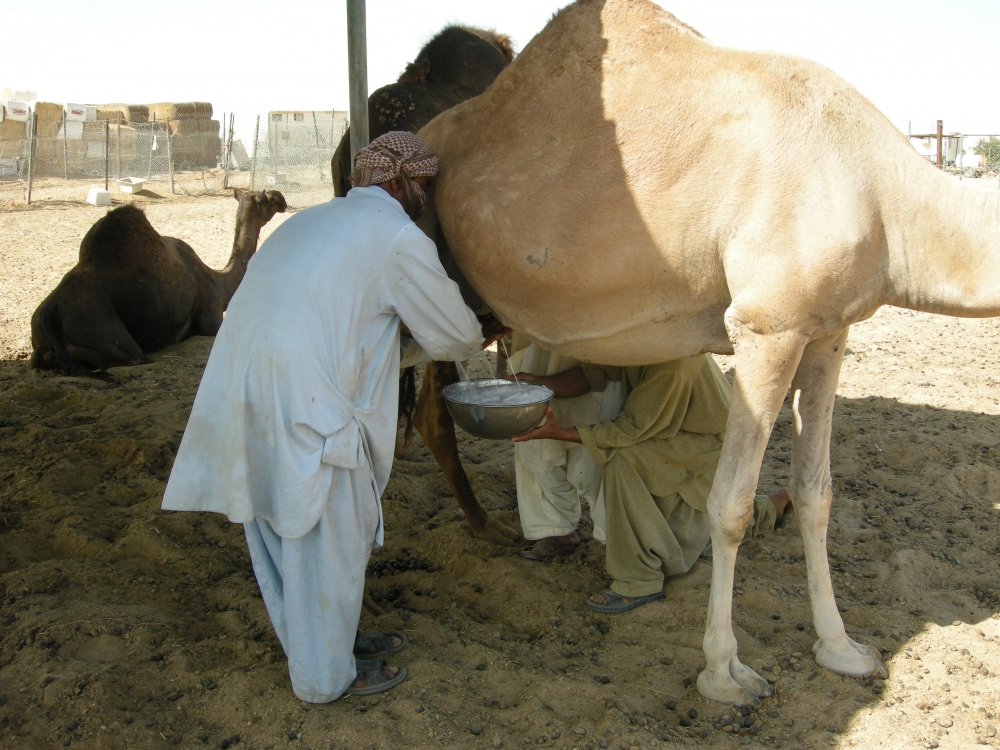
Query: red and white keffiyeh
(398,153)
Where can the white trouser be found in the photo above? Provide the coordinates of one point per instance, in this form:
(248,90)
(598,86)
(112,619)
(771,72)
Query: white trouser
(313,587)
(549,490)
(554,476)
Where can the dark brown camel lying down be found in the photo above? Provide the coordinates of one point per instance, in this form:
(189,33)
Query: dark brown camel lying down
(134,292)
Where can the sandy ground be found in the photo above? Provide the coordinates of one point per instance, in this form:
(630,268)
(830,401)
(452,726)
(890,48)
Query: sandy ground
(125,627)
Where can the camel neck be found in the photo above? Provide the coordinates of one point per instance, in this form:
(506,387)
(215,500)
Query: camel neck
(943,240)
(244,246)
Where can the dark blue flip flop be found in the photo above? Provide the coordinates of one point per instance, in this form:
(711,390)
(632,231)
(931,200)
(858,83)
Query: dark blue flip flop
(382,641)
(375,681)
(617,604)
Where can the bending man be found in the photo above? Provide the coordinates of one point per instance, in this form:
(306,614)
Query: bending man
(293,427)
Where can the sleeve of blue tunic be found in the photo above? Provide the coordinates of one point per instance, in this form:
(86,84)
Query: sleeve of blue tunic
(415,286)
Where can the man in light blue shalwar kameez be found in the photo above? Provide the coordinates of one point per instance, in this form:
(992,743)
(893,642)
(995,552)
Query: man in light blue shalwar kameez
(293,427)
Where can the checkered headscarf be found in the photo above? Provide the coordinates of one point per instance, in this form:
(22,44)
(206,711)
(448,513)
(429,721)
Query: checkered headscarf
(398,153)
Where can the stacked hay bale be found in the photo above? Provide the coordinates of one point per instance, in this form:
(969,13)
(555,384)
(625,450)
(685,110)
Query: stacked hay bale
(195,142)
(129,139)
(48,146)
(124,113)
(12,136)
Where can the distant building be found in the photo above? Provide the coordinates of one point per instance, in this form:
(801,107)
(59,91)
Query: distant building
(305,129)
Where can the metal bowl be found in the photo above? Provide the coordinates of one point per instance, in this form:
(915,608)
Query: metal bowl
(475,406)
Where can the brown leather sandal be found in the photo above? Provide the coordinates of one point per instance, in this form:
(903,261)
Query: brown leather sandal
(551,546)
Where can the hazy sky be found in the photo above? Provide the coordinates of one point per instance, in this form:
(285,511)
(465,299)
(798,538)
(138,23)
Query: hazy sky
(917,60)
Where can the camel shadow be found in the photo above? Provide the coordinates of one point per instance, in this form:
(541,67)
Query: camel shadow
(913,556)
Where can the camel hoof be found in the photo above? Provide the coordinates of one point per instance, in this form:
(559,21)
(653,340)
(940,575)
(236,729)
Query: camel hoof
(850,658)
(496,532)
(722,686)
(750,680)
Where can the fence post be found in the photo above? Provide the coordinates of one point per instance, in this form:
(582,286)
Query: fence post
(31,155)
(65,165)
(118,150)
(152,142)
(229,153)
(319,159)
(107,152)
(170,160)
(940,144)
(272,148)
(253,161)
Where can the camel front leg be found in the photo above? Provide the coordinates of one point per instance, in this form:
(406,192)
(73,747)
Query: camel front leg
(764,368)
(436,427)
(813,391)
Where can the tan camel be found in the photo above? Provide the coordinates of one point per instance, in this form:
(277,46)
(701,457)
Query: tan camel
(626,193)
(134,292)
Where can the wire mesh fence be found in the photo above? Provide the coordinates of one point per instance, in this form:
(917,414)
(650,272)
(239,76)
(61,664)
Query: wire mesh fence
(45,160)
(969,152)
(128,149)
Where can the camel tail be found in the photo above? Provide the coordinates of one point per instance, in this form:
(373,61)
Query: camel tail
(407,401)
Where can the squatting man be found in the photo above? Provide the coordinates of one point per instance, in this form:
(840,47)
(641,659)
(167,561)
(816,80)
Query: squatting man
(293,427)
(643,451)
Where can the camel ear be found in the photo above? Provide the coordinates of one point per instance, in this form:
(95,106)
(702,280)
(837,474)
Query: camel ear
(238,193)
(416,72)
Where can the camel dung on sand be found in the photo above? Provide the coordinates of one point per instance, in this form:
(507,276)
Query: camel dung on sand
(134,292)
(628,193)
(460,62)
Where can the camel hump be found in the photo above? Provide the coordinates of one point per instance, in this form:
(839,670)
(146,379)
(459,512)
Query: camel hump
(122,235)
(501,41)
(638,20)
(466,58)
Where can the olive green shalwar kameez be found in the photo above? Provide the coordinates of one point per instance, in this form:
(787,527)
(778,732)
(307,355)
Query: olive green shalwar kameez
(659,458)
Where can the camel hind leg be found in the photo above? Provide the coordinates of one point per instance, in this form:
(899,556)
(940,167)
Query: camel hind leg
(78,326)
(436,427)
(765,365)
(813,390)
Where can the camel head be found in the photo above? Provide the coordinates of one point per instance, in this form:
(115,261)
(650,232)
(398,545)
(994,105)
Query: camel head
(259,208)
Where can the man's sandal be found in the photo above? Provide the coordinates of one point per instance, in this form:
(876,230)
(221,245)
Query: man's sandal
(550,546)
(617,604)
(382,641)
(375,681)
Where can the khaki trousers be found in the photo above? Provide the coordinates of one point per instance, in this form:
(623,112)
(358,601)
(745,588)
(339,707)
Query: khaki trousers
(649,537)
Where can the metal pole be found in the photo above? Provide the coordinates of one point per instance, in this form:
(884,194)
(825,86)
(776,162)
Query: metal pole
(152,142)
(225,140)
(31,155)
(940,143)
(319,159)
(65,165)
(107,152)
(170,160)
(253,161)
(357,56)
(118,150)
(960,157)
(229,152)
